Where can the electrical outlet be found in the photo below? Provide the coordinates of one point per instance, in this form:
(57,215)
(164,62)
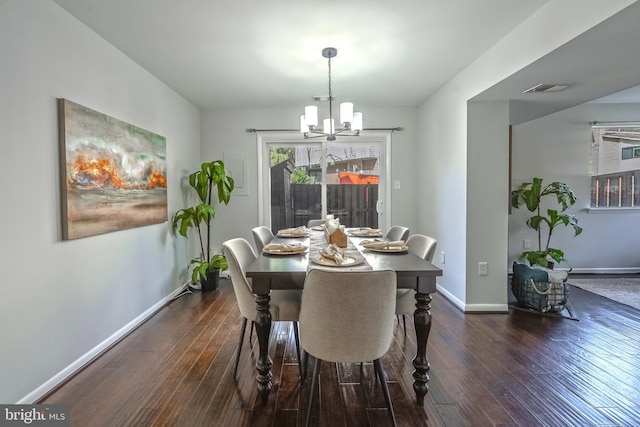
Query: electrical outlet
(526,244)
(442,257)
(483,268)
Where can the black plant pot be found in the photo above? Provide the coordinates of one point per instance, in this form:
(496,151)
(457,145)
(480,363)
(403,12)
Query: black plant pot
(211,282)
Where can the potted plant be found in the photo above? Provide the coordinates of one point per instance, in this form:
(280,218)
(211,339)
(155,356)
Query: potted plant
(531,194)
(537,286)
(211,178)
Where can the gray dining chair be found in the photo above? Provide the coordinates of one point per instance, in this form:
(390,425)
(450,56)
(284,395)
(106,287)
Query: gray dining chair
(262,235)
(315,222)
(424,247)
(284,305)
(347,317)
(397,232)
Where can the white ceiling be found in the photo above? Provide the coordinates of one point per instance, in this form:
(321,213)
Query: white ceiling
(252,53)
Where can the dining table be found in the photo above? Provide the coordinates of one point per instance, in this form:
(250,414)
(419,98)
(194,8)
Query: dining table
(288,271)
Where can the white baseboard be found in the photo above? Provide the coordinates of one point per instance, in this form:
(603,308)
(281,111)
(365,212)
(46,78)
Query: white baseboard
(74,367)
(626,270)
(615,270)
(486,308)
(448,295)
(472,308)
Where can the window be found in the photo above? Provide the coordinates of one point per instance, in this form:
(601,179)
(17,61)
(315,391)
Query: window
(308,179)
(615,166)
(630,153)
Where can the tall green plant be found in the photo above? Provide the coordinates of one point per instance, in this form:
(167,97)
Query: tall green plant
(211,178)
(531,194)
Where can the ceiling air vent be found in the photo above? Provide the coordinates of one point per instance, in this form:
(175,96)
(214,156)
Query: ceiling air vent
(546,88)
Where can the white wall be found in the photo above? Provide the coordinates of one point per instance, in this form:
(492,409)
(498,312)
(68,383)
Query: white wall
(224,130)
(458,217)
(556,148)
(62,300)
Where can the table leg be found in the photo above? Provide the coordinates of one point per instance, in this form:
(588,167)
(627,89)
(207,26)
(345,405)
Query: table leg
(263,329)
(422,320)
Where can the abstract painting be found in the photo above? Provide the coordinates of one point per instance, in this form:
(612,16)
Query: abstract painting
(113,174)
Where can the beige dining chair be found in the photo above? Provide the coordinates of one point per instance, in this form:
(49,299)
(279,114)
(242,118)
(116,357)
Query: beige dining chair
(397,232)
(424,247)
(315,222)
(262,235)
(284,305)
(347,317)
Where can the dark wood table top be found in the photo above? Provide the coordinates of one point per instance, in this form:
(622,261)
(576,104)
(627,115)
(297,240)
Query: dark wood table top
(290,270)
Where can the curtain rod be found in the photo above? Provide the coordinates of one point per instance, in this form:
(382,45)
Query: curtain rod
(599,125)
(252,130)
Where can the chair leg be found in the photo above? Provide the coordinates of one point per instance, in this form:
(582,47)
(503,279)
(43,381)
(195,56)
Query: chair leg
(296,334)
(253,324)
(314,383)
(377,364)
(244,328)
(404,324)
(305,363)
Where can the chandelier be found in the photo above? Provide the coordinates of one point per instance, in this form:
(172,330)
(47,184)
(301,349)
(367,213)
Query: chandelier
(351,121)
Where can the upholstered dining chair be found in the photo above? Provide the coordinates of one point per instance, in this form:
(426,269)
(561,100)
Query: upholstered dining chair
(347,317)
(424,247)
(315,222)
(284,305)
(397,232)
(262,235)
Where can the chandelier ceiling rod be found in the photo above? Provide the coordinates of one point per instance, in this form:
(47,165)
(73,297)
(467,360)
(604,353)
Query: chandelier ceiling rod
(351,121)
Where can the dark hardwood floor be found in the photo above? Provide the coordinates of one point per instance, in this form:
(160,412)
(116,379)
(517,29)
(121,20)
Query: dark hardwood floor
(516,369)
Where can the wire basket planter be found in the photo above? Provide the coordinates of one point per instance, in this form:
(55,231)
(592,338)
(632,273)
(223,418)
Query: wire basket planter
(545,297)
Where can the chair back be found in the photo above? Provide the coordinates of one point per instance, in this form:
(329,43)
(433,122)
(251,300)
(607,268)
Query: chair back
(397,232)
(262,236)
(348,316)
(239,254)
(423,246)
(315,222)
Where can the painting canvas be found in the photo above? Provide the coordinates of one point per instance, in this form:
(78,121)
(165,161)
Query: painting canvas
(113,174)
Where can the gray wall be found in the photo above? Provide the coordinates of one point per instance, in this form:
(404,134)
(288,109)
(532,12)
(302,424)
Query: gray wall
(556,148)
(64,301)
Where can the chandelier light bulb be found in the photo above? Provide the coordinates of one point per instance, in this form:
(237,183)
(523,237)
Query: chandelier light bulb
(328,126)
(304,127)
(311,115)
(346,112)
(356,124)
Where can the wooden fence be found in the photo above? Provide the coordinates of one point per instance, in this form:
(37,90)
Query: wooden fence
(354,204)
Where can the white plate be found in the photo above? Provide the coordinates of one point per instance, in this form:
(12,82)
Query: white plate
(292,235)
(348,261)
(391,249)
(318,228)
(281,252)
(364,233)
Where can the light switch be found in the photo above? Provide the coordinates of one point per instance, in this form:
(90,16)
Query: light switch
(396,184)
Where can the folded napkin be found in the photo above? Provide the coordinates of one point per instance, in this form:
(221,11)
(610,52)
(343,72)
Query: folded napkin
(368,231)
(298,231)
(331,225)
(367,242)
(333,252)
(382,244)
(283,247)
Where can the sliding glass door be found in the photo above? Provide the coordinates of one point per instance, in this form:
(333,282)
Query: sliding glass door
(308,179)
